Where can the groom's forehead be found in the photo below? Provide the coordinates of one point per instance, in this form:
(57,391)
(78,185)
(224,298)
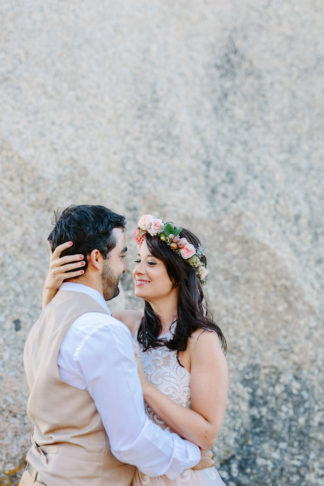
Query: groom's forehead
(120,236)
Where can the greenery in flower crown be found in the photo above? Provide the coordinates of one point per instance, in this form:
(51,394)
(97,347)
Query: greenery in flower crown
(169,233)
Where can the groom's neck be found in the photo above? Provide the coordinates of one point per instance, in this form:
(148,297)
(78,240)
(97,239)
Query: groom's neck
(89,281)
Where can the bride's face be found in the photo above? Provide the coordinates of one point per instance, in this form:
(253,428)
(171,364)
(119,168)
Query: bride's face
(151,278)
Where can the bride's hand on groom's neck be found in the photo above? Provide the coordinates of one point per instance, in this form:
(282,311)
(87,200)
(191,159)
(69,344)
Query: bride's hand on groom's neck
(60,268)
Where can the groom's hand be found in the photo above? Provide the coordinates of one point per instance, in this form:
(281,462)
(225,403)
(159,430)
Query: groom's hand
(205,461)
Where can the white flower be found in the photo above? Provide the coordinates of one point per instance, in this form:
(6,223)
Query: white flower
(145,222)
(156,226)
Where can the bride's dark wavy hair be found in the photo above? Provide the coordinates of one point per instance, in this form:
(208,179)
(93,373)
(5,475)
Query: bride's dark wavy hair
(192,308)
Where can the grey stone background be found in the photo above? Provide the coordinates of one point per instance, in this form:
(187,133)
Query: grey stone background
(206,112)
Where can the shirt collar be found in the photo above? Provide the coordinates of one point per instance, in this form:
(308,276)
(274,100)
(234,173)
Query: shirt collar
(85,289)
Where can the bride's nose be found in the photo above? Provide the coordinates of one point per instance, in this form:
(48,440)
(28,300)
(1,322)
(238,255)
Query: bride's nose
(139,269)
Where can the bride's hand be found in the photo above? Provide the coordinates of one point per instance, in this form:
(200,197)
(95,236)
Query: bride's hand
(206,460)
(61,268)
(141,374)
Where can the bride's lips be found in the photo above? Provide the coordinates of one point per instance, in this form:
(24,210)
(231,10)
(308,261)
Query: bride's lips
(139,282)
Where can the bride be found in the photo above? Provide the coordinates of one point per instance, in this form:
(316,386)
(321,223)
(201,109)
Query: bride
(180,350)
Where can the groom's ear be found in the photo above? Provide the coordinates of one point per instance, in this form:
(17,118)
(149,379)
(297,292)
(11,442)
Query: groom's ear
(95,260)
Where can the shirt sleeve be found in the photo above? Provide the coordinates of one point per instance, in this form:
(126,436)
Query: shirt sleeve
(108,365)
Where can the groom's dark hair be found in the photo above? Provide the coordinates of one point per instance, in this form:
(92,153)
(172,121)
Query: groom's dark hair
(89,227)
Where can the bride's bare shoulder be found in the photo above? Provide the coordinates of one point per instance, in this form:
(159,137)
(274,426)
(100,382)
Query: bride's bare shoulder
(205,341)
(132,319)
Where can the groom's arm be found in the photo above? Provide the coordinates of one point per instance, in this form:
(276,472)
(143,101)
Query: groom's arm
(105,361)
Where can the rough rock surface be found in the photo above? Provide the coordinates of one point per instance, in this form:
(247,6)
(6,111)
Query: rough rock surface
(208,113)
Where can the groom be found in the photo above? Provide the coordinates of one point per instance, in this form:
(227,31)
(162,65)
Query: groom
(86,401)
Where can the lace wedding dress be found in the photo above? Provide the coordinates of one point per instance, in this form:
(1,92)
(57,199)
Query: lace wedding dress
(162,369)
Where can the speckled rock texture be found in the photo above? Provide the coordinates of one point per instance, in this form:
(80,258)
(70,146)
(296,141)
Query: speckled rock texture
(208,113)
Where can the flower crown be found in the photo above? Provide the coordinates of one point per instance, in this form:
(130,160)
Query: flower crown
(170,235)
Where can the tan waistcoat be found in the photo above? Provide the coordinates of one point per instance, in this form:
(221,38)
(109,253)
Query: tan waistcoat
(70,446)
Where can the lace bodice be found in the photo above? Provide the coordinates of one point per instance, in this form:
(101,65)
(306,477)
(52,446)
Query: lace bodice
(162,369)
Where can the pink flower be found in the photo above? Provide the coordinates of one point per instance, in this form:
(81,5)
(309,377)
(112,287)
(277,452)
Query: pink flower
(203,272)
(139,236)
(145,222)
(183,242)
(156,226)
(187,251)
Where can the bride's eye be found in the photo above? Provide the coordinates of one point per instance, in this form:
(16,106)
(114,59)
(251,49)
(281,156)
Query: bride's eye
(151,263)
(137,261)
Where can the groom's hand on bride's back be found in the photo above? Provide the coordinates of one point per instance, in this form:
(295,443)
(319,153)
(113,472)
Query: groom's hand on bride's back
(205,461)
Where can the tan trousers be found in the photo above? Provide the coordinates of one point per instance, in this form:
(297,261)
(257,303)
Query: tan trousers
(27,480)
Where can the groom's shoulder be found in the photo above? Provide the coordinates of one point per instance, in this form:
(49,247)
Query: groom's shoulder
(91,323)
(94,330)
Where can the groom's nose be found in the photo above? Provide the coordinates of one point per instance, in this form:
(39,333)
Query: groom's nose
(124,266)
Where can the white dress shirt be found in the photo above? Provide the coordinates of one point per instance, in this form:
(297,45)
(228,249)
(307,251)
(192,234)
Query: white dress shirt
(97,355)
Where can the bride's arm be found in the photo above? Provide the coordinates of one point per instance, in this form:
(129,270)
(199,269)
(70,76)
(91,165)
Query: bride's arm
(209,383)
(131,318)
(60,269)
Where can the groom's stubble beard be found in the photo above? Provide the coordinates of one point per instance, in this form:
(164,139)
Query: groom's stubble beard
(109,282)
